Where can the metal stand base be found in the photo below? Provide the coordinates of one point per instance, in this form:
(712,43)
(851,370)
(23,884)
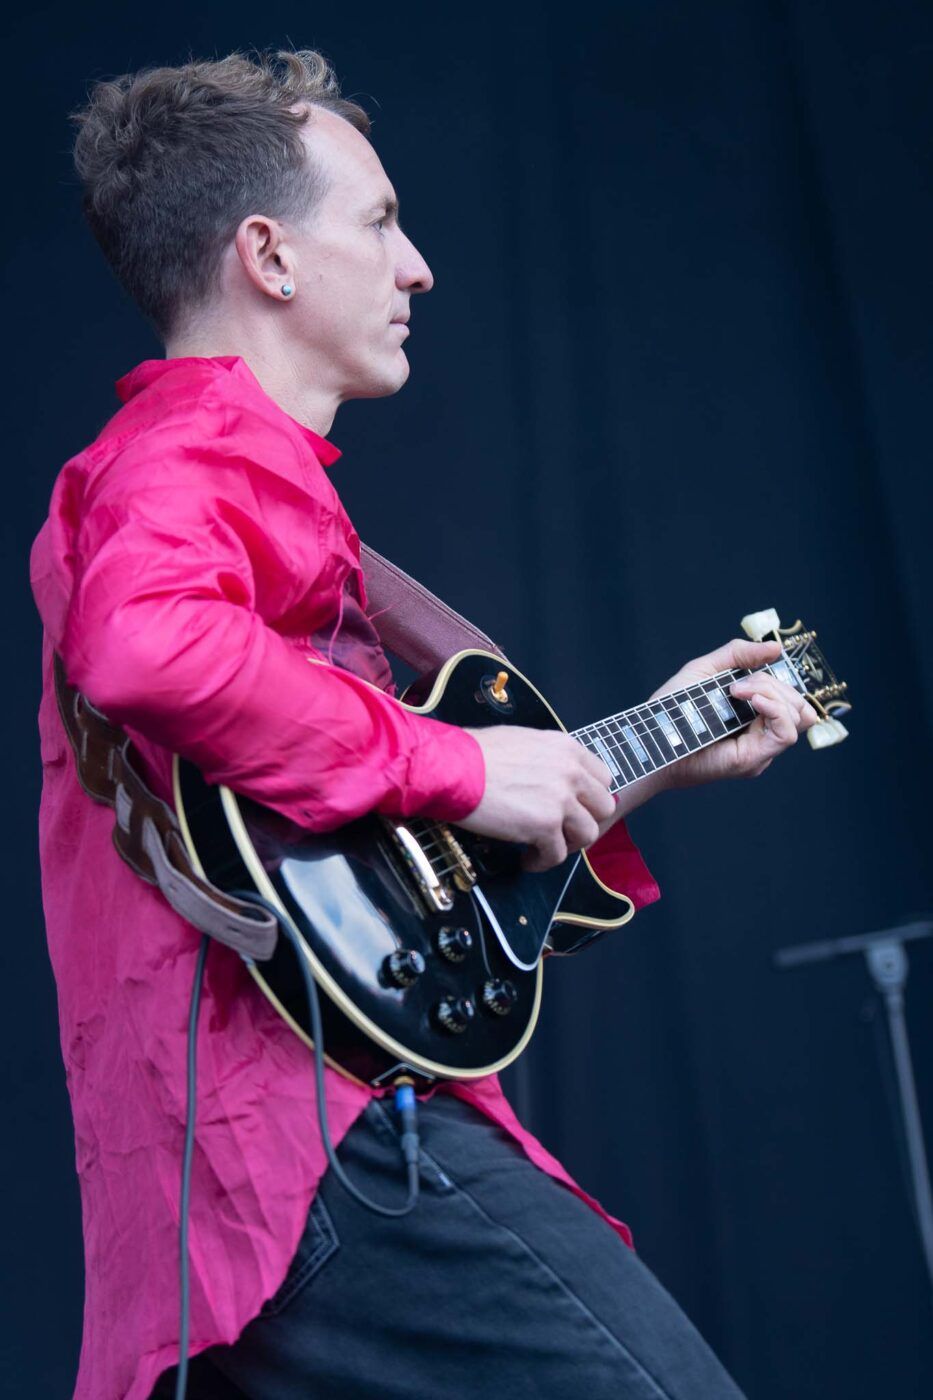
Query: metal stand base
(886,957)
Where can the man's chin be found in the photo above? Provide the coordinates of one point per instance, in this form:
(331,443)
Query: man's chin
(388,382)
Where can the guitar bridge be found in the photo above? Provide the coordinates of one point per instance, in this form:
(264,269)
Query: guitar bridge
(462,870)
(435,893)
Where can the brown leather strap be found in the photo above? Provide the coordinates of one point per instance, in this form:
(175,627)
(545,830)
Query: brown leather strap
(146,833)
(412,621)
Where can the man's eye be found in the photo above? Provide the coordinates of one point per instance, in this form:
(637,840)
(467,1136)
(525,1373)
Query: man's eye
(380,224)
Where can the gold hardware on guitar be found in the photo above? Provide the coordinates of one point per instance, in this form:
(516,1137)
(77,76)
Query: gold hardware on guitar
(830,692)
(498,691)
(434,892)
(463,873)
(809,665)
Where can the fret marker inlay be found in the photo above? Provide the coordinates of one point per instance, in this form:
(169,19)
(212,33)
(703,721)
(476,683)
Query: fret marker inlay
(697,724)
(668,728)
(721,705)
(640,751)
(606,756)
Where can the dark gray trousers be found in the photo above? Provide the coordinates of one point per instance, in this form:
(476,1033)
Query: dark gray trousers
(499,1282)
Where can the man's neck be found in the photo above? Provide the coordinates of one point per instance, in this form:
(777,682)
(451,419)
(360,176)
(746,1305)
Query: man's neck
(279,374)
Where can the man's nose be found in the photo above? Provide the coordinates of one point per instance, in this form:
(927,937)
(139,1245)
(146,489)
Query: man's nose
(413,273)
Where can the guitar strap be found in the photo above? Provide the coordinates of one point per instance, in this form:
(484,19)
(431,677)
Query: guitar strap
(146,833)
(411,622)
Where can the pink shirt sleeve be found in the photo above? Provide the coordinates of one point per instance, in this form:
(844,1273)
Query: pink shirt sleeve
(167,634)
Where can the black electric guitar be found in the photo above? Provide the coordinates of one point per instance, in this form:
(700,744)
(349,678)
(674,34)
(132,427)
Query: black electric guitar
(427,941)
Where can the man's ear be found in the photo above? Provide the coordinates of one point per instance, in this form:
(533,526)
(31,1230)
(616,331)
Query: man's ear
(265,256)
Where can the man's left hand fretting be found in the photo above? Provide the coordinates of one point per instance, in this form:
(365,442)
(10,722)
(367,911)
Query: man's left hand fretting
(782,715)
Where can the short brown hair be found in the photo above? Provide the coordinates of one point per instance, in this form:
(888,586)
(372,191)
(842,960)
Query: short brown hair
(173,159)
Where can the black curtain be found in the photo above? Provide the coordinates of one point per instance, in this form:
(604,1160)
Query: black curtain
(675,368)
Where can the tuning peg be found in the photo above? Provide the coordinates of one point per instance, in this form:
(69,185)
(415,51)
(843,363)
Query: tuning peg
(756,625)
(826,733)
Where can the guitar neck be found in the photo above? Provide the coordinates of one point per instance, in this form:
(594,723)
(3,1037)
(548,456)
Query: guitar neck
(662,731)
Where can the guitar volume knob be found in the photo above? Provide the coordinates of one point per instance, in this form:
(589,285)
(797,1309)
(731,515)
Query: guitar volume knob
(454,943)
(499,995)
(455,1013)
(403,967)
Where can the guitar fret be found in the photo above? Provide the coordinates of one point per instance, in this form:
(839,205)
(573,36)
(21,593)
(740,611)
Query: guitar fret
(672,734)
(601,749)
(694,718)
(721,704)
(745,712)
(614,726)
(781,670)
(624,744)
(601,743)
(654,736)
(620,748)
(707,710)
(684,727)
(648,737)
(641,753)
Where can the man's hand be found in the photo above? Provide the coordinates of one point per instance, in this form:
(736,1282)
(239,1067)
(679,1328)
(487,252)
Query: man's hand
(546,790)
(783,714)
(543,789)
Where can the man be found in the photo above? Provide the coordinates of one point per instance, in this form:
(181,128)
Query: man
(196,556)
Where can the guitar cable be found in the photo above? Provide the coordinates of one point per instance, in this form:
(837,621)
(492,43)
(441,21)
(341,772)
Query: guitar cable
(184,1263)
(405,1101)
(406,1105)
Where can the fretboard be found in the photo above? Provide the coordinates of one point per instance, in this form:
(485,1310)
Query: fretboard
(647,737)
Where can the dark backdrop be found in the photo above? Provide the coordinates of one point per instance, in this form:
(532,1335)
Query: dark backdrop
(674,369)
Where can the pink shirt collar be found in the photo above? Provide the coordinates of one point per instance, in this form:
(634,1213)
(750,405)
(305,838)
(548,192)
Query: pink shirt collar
(188,366)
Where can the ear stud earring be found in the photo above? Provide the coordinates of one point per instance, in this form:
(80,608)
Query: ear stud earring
(287,289)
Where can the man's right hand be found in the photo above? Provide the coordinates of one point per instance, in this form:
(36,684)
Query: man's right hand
(544,790)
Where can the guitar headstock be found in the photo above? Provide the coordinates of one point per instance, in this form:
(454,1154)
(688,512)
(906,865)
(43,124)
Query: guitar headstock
(811,673)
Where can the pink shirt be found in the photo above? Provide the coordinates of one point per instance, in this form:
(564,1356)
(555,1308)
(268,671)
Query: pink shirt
(195,555)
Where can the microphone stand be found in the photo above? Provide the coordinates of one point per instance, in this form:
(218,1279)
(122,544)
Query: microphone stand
(886,957)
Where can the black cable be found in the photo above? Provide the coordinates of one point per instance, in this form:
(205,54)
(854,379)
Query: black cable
(181,1378)
(405,1101)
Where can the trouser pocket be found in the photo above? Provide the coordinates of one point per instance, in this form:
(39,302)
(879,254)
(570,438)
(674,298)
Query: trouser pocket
(318,1243)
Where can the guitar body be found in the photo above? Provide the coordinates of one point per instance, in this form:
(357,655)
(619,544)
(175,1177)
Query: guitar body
(424,940)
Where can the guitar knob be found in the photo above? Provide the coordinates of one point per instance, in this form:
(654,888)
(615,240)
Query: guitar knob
(403,967)
(455,1013)
(454,943)
(499,996)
